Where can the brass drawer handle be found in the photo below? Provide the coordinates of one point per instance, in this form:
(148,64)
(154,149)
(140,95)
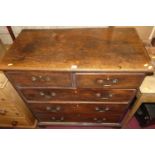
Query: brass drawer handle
(53,118)
(40,78)
(3,112)
(47,95)
(14,123)
(47,79)
(102,109)
(107,97)
(107,82)
(62,118)
(99,120)
(57,119)
(53,109)
(34,78)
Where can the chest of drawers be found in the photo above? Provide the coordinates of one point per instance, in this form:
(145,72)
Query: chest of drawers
(80,77)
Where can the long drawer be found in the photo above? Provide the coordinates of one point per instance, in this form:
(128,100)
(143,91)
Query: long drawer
(40,78)
(85,118)
(109,80)
(110,108)
(83,95)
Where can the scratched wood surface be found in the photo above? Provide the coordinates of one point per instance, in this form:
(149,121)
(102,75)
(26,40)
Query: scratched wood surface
(92,49)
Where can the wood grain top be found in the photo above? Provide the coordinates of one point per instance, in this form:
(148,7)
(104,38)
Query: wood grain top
(86,49)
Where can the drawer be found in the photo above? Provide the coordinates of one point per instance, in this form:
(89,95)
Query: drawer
(6,111)
(9,94)
(83,95)
(40,79)
(110,108)
(85,118)
(108,80)
(13,121)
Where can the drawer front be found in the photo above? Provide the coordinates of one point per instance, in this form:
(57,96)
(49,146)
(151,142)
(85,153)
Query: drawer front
(6,111)
(55,108)
(52,95)
(13,121)
(40,79)
(85,118)
(8,94)
(109,80)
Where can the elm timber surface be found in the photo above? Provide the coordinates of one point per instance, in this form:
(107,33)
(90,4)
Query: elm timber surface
(87,49)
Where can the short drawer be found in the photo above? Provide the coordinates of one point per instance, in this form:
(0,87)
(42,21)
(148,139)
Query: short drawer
(40,79)
(108,80)
(83,118)
(85,95)
(110,108)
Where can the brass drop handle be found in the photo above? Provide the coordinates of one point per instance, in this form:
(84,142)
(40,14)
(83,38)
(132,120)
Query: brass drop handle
(100,81)
(62,118)
(47,78)
(115,81)
(99,120)
(14,123)
(59,119)
(53,109)
(107,97)
(53,94)
(42,93)
(47,95)
(44,78)
(3,112)
(53,118)
(99,109)
(34,78)
(40,78)
(107,82)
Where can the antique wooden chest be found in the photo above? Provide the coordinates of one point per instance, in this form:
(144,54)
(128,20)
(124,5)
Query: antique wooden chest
(77,77)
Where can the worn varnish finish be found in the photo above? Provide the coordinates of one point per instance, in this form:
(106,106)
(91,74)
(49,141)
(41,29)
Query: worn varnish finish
(40,79)
(78,108)
(84,77)
(89,118)
(83,95)
(109,80)
(89,49)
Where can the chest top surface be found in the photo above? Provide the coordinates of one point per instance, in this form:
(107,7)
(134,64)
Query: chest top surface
(87,49)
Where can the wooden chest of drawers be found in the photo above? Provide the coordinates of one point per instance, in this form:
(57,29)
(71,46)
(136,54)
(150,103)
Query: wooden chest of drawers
(81,77)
